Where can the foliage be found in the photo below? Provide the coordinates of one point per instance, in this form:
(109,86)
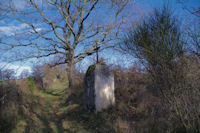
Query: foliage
(7,74)
(156,40)
(54,77)
(31,83)
(38,73)
(158,43)
(194,35)
(68,29)
(10,102)
(56,109)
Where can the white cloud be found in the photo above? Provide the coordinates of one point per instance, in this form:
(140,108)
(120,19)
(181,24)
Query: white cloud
(10,30)
(22,4)
(17,68)
(19,4)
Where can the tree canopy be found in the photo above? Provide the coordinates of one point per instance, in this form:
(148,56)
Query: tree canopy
(70,29)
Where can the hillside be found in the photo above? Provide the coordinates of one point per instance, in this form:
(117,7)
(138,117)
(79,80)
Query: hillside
(47,111)
(46,105)
(57,109)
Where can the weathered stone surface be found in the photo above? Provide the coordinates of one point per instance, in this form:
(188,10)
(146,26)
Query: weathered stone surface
(99,87)
(89,90)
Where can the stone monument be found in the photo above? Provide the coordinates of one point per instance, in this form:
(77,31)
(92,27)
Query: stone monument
(99,87)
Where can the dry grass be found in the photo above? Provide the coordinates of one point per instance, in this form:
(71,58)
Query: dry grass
(58,109)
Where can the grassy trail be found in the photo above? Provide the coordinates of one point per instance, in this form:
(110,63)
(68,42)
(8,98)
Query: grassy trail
(42,113)
(48,112)
(58,110)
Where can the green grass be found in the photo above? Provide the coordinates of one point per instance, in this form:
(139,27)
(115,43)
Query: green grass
(31,83)
(57,110)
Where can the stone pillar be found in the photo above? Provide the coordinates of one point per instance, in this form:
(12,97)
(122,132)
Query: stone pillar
(99,87)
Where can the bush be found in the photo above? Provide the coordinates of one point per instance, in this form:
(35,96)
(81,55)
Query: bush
(10,102)
(38,73)
(132,98)
(31,83)
(157,43)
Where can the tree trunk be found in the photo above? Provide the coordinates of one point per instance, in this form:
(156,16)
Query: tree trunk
(71,72)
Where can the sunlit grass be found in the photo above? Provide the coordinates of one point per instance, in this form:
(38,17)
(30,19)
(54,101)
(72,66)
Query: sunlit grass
(48,110)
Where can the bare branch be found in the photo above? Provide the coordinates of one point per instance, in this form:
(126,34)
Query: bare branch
(49,21)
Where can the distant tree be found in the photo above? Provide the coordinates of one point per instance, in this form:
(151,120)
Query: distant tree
(3,67)
(38,74)
(25,73)
(8,74)
(194,11)
(194,35)
(1,75)
(11,99)
(65,27)
(193,31)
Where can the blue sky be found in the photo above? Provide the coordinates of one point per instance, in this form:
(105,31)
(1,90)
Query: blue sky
(141,8)
(148,6)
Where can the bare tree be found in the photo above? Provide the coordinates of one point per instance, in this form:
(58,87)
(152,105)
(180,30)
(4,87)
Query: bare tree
(193,30)
(69,28)
(194,35)
(25,73)
(38,74)
(3,67)
(193,10)
(8,74)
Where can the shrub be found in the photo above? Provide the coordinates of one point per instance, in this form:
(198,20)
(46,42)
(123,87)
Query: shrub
(10,103)
(31,83)
(157,42)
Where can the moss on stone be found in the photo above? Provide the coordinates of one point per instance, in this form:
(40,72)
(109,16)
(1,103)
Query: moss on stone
(90,69)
